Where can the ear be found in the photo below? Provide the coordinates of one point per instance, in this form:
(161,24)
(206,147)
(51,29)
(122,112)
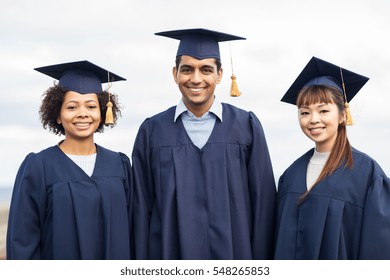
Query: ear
(58,120)
(343,117)
(174,73)
(220,74)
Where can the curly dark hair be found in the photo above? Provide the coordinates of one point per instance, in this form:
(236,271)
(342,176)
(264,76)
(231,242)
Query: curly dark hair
(51,107)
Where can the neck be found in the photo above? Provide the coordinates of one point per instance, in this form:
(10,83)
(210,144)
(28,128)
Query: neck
(326,146)
(199,109)
(72,147)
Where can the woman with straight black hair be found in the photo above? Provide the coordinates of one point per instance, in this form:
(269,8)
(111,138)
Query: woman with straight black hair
(333,202)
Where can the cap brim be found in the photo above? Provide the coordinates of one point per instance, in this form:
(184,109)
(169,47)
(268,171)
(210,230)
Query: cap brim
(57,70)
(218,36)
(316,68)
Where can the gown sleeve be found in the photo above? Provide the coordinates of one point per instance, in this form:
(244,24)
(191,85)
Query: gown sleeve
(262,193)
(129,191)
(27,211)
(375,241)
(143,191)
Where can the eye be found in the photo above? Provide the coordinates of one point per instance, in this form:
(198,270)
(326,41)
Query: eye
(303,113)
(71,107)
(207,70)
(185,70)
(324,111)
(92,107)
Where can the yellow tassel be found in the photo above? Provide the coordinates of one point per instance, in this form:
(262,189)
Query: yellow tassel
(109,115)
(348,116)
(234,88)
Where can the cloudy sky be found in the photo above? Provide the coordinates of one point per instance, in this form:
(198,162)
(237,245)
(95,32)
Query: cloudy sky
(282,36)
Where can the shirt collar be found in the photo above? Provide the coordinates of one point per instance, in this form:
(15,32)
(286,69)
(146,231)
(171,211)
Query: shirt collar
(216,109)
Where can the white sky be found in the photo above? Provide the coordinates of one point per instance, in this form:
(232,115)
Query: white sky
(282,36)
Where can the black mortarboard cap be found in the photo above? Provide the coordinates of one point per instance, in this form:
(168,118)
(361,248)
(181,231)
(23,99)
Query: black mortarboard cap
(80,76)
(321,72)
(199,43)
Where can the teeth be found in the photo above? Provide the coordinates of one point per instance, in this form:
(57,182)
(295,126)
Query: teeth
(81,124)
(315,129)
(196,89)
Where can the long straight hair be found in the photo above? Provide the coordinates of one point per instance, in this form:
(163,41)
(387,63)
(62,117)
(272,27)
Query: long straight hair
(341,153)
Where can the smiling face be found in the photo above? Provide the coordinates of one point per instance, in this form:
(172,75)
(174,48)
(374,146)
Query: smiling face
(197,80)
(320,120)
(80,115)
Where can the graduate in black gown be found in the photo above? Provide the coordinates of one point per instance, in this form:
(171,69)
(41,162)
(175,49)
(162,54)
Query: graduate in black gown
(333,201)
(203,175)
(72,200)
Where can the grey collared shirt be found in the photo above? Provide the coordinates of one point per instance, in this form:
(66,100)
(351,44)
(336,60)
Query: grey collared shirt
(199,129)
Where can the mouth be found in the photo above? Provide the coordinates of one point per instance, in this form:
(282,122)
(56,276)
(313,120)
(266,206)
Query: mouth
(196,89)
(316,130)
(82,124)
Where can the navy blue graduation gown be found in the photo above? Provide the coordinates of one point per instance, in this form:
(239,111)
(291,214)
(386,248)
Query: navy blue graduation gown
(345,216)
(217,202)
(58,212)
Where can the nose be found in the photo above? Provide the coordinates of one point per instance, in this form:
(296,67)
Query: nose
(82,112)
(196,77)
(315,118)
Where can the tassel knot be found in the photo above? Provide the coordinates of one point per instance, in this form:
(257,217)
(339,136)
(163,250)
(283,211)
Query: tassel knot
(109,115)
(348,116)
(234,88)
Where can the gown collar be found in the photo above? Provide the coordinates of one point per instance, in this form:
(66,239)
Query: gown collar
(216,109)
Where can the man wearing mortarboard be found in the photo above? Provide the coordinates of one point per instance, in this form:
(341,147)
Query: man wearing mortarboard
(204,182)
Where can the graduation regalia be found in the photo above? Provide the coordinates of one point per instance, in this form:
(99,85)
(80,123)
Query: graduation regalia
(217,202)
(59,212)
(345,216)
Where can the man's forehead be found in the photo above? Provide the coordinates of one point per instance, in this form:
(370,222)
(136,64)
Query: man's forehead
(194,62)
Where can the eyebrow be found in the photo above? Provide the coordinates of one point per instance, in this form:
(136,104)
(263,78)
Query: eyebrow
(76,101)
(202,66)
(320,105)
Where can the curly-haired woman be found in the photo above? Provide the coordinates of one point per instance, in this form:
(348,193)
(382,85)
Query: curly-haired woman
(73,200)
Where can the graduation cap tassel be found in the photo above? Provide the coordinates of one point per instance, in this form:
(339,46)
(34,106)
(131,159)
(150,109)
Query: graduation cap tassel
(348,116)
(234,91)
(349,120)
(234,88)
(109,115)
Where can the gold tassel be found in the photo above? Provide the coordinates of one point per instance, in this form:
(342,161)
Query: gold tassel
(348,116)
(109,115)
(234,88)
